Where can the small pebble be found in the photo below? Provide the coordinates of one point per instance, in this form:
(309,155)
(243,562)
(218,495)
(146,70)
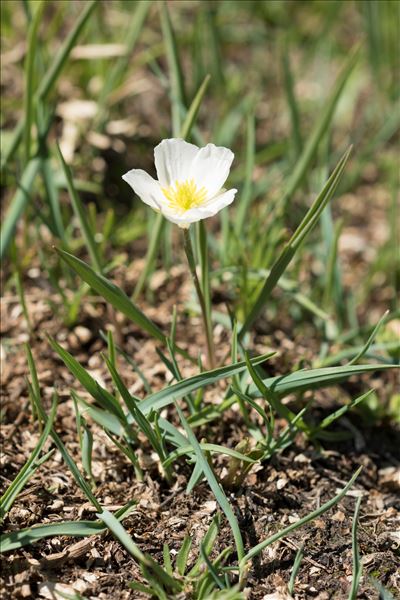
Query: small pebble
(83,334)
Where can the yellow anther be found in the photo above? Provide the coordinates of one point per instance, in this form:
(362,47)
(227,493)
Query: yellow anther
(185,195)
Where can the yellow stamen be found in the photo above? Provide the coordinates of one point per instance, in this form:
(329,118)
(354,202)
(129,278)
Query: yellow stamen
(185,195)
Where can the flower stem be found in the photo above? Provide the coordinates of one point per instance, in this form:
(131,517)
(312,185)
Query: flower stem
(187,243)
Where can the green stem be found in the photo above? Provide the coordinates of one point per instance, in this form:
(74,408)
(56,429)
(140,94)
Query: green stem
(187,243)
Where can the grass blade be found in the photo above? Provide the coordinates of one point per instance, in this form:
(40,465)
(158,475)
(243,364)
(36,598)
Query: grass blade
(306,225)
(295,570)
(121,535)
(177,90)
(9,496)
(182,388)
(214,485)
(195,478)
(282,410)
(182,556)
(112,294)
(101,395)
(357,566)
(333,292)
(341,411)
(208,448)
(80,480)
(384,593)
(212,571)
(319,130)
(167,559)
(109,422)
(18,204)
(87,449)
(12,146)
(30,535)
(52,197)
(313,515)
(292,102)
(301,381)
(50,79)
(207,543)
(281,385)
(34,376)
(194,109)
(245,197)
(80,213)
(143,423)
(371,338)
(56,67)
(29,76)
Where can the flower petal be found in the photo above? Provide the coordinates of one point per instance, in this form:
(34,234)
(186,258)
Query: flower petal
(173,159)
(201,212)
(213,206)
(147,188)
(210,168)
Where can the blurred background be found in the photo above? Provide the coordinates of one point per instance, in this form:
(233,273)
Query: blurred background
(89,88)
(287,85)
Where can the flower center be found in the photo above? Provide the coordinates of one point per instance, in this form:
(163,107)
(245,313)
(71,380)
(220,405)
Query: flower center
(184,195)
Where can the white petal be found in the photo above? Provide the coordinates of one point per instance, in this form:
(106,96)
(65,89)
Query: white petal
(202,212)
(147,188)
(210,168)
(213,206)
(173,159)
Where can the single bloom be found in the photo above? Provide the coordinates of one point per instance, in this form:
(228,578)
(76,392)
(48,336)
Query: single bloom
(190,180)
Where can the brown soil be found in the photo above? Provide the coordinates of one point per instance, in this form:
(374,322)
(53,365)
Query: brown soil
(274,495)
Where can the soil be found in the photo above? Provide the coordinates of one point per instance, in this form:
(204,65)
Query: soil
(274,495)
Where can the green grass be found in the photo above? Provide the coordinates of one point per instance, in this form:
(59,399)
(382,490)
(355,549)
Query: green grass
(285,89)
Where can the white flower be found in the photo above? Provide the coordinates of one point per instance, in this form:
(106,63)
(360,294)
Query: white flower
(190,180)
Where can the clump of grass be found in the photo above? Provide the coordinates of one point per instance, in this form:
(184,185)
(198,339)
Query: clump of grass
(252,247)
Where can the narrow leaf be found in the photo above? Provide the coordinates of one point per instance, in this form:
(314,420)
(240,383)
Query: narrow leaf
(103,397)
(182,556)
(112,294)
(357,566)
(194,109)
(306,225)
(245,197)
(301,381)
(313,515)
(56,67)
(18,203)
(48,82)
(80,213)
(29,76)
(214,485)
(175,69)
(30,535)
(319,130)
(182,388)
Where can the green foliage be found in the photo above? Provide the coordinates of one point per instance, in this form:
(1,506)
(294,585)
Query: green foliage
(33,463)
(111,293)
(357,566)
(31,535)
(263,255)
(313,515)
(290,249)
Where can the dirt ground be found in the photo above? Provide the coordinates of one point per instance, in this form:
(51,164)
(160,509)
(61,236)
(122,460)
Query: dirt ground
(274,495)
